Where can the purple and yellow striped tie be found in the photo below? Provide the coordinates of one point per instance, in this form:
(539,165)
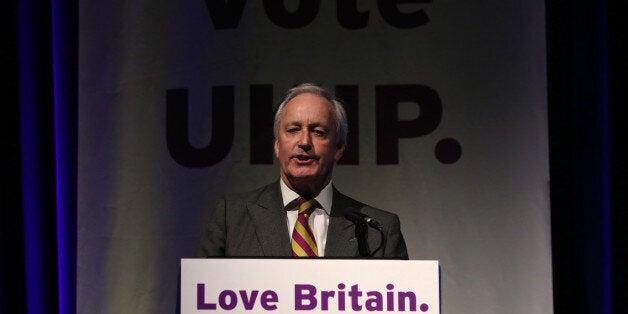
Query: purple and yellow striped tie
(303,242)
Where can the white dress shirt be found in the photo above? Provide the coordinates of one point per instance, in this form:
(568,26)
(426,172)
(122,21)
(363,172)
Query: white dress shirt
(319,219)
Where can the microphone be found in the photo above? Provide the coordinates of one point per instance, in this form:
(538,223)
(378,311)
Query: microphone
(361,218)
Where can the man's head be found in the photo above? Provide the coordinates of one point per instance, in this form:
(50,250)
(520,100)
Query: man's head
(310,137)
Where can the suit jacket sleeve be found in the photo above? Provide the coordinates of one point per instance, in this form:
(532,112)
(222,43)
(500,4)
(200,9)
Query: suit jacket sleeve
(396,245)
(213,238)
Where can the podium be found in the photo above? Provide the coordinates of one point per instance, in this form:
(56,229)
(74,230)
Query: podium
(256,285)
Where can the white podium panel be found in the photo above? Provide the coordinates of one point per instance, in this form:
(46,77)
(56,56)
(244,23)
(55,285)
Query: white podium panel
(226,285)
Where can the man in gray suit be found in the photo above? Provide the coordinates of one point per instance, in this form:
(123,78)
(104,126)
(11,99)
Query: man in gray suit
(310,137)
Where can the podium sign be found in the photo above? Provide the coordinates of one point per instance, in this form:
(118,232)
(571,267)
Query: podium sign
(225,285)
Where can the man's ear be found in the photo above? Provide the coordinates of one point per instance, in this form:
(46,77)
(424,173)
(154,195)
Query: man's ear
(340,150)
(276,147)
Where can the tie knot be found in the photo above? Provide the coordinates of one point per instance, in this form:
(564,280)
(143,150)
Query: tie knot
(306,207)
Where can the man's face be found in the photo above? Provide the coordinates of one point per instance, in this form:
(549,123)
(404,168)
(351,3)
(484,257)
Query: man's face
(306,143)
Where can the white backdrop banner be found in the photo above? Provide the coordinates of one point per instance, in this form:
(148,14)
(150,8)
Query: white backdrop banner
(448,129)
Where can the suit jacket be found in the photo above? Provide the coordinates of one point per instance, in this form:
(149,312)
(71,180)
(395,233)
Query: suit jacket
(253,224)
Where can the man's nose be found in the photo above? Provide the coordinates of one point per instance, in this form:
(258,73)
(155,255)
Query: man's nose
(305,141)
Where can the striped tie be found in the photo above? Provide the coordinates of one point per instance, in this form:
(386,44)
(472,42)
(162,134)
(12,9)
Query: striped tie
(303,243)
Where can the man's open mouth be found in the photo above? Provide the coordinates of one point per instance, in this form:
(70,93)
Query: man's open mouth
(304,157)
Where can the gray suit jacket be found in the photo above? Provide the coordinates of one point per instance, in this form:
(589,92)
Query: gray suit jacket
(253,224)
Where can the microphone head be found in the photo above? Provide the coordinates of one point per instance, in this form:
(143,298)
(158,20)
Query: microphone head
(358,217)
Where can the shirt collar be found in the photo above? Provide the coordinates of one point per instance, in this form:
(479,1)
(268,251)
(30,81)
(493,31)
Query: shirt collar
(324,197)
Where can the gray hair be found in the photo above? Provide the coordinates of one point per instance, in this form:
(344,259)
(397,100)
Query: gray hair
(339,113)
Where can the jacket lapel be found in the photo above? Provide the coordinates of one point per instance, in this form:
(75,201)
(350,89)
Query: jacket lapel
(341,241)
(269,218)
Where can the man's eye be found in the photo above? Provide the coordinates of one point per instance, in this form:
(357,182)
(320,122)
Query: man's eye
(320,132)
(293,130)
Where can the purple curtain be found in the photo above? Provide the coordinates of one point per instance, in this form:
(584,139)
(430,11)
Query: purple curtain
(38,269)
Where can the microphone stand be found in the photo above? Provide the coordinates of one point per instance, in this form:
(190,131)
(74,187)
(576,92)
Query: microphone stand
(382,241)
(361,234)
